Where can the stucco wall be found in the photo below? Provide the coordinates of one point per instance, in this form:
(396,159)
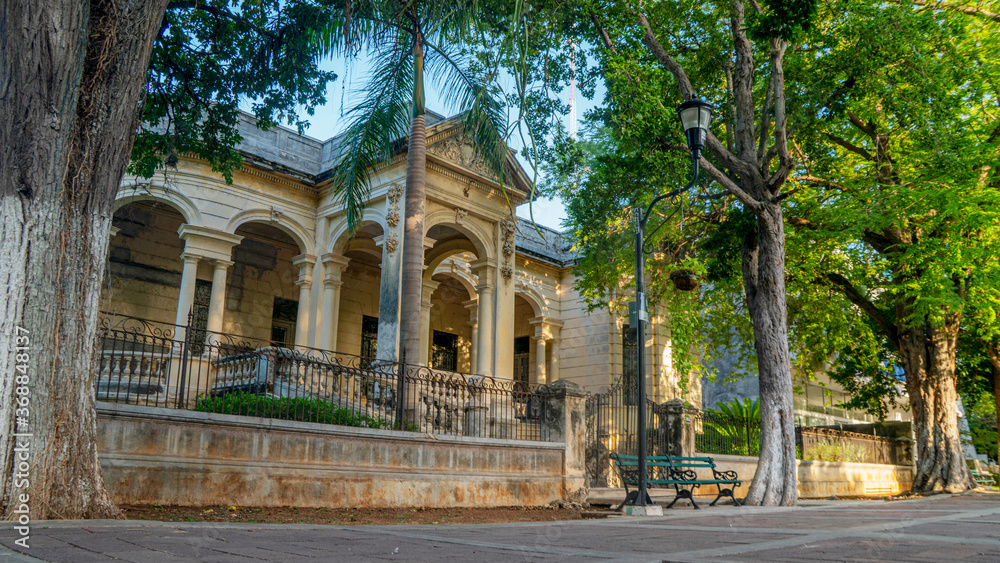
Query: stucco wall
(358,298)
(822,479)
(161,456)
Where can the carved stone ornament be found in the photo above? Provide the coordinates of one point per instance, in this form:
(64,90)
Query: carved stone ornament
(507,227)
(392,244)
(392,218)
(456,150)
(460,215)
(395,192)
(276,214)
(506,272)
(508,248)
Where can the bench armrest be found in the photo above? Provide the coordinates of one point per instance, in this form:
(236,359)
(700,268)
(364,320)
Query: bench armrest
(683,474)
(725,475)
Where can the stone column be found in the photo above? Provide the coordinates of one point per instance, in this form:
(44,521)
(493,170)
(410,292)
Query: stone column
(186,298)
(540,378)
(473,306)
(392,277)
(334,266)
(217,304)
(305,263)
(486,272)
(564,419)
(425,319)
(554,360)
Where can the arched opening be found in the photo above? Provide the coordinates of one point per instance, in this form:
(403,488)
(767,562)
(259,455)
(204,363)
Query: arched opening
(450,325)
(144,265)
(262,299)
(525,359)
(358,308)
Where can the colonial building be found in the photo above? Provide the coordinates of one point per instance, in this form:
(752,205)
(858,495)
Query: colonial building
(270,257)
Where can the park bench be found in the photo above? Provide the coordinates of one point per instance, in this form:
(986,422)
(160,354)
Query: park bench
(678,472)
(983,478)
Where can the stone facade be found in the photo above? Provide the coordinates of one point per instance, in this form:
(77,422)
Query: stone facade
(271,257)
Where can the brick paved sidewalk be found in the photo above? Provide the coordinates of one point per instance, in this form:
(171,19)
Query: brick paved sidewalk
(941,528)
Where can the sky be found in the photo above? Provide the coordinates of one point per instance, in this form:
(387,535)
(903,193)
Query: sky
(329,120)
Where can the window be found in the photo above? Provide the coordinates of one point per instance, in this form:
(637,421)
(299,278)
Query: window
(445,351)
(283,317)
(199,316)
(630,365)
(522,348)
(369,340)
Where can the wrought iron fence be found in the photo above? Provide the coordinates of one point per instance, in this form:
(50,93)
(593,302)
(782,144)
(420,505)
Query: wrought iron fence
(833,444)
(156,364)
(718,434)
(612,427)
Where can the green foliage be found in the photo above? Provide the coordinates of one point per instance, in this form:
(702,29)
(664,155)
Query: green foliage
(786,19)
(301,409)
(831,449)
(403,41)
(213,56)
(733,428)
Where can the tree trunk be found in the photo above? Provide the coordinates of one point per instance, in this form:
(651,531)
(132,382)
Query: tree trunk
(928,357)
(69,115)
(763,256)
(413,230)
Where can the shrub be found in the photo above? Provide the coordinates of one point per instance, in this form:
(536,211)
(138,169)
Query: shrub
(302,409)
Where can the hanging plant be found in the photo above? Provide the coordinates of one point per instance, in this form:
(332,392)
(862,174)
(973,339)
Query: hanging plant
(685,280)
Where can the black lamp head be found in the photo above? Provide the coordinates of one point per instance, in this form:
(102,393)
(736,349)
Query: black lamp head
(696,115)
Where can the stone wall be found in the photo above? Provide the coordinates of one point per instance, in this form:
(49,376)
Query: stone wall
(163,456)
(823,479)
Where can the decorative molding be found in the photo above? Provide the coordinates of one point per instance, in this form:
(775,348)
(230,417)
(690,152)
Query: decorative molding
(392,218)
(461,215)
(507,230)
(392,244)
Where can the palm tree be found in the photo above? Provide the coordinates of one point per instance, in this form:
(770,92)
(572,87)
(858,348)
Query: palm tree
(405,38)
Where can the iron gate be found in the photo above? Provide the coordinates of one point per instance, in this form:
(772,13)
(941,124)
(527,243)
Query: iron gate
(612,427)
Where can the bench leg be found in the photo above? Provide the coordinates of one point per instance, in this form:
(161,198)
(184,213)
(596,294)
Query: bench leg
(684,493)
(725,493)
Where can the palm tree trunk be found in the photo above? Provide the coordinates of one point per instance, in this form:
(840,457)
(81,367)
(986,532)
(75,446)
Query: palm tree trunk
(413,229)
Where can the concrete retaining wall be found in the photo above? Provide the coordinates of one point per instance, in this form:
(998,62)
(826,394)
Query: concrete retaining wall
(822,479)
(153,455)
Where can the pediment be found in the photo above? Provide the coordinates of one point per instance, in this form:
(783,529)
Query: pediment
(458,150)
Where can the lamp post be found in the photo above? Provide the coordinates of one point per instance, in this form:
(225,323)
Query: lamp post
(695,117)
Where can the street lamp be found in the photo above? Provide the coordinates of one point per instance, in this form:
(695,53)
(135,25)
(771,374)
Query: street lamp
(695,115)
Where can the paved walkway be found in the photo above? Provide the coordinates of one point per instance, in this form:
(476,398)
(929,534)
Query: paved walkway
(940,528)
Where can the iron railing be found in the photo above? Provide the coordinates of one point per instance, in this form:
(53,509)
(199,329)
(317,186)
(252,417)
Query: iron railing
(158,364)
(833,444)
(715,433)
(612,427)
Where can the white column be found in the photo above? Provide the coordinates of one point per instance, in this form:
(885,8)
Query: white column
(217,304)
(186,298)
(473,306)
(305,263)
(540,378)
(554,362)
(486,272)
(425,320)
(334,266)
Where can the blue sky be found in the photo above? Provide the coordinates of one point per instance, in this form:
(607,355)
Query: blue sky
(328,121)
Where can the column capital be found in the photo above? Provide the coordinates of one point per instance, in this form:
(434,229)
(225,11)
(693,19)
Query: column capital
(303,260)
(486,271)
(219,264)
(115,231)
(334,266)
(210,243)
(305,263)
(191,258)
(546,327)
(427,291)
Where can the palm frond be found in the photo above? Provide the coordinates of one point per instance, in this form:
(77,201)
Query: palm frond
(376,126)
(484,119)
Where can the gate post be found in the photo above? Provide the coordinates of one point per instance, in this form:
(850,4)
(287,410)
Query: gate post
(565,421)
(680,434)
